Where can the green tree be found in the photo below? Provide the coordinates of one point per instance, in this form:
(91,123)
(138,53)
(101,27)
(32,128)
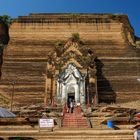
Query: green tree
(6,19)
(75,37)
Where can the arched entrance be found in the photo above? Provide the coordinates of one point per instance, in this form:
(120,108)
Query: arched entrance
(70,93)
(71,84)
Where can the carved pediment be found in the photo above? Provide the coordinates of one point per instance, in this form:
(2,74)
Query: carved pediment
(73,52)
(72,60)
(73,49)
(71,79)
(70,74)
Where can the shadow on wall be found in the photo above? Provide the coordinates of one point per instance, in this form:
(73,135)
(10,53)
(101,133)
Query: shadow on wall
(105,92)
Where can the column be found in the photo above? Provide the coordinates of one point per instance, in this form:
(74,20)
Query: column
(96,96)
(77,96)
(46,89)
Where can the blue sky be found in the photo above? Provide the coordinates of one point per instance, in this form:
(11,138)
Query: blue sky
(16,8)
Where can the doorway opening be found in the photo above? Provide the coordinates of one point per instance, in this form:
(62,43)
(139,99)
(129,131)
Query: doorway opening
(71,96)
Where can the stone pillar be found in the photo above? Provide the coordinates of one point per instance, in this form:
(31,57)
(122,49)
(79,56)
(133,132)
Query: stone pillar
(54,86)
(51,90)
(82,92)
(58,88)
(63,93)
(77,94)
(46,89)
(92,85)
(96,96)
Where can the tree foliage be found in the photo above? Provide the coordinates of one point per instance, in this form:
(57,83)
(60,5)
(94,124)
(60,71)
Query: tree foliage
(75,37)
(6,19)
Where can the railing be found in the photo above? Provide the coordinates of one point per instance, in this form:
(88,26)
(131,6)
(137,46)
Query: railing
(76,117)
(89,122)
(64,111)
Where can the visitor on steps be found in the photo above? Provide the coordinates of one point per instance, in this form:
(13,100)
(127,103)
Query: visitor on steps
(131,115)
(71,106)
(137,131)
(137,134)
(68,106)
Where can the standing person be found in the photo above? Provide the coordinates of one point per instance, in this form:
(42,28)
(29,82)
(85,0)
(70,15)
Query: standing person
(131,115)
(68,105)
(71,106)
(137,132)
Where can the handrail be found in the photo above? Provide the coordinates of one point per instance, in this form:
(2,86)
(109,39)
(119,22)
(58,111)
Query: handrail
(77,119)
(64,111)
(89,122)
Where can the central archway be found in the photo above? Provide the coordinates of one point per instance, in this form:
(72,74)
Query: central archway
(70,93)
(71,84)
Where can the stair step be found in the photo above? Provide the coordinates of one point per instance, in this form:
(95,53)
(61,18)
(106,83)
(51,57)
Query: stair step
(75,119)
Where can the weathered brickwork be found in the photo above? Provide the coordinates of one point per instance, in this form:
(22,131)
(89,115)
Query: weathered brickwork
(32,37)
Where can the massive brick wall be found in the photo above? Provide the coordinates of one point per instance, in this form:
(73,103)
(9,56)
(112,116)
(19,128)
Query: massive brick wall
(120,70)
(32,37)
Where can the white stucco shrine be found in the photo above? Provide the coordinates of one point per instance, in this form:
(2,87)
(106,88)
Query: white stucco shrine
(71,74)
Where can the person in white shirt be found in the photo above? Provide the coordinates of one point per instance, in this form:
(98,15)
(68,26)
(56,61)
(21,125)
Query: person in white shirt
(71,106)
(136,134)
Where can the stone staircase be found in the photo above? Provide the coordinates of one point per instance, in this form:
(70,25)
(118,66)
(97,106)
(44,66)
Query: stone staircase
(75,119)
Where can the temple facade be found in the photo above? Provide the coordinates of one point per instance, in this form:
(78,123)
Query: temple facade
(45,64)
